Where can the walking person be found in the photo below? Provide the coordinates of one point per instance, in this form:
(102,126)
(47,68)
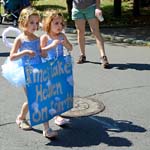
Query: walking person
(25,50)
(52,46)
(87,10)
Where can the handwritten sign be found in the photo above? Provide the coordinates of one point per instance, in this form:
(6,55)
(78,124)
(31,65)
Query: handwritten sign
(49,89)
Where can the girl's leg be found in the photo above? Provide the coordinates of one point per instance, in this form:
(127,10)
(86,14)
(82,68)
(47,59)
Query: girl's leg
(46,125)
(24,109)
(48,132)
(21,118)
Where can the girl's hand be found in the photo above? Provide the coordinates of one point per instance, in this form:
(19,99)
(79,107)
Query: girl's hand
(30,53)
(66,44)
(55,43)
(50,46)
(63,42)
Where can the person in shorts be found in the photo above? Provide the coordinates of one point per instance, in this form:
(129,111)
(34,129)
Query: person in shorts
(87,10)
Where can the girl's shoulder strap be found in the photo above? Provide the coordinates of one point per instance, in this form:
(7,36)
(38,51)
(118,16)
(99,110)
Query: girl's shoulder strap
(21,37)
(48,37)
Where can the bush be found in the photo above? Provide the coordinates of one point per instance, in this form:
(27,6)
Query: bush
(33,2)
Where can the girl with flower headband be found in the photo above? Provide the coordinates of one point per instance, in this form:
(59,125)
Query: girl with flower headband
(25,50)
(52,43)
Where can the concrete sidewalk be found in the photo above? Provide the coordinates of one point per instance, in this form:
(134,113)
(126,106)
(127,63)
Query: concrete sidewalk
(123,89)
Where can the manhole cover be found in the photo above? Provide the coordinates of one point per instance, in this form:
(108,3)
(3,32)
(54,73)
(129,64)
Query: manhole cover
(84,107)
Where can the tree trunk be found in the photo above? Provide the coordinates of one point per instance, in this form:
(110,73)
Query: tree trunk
(69,8)
(145,3)
(117,8)
(136,8)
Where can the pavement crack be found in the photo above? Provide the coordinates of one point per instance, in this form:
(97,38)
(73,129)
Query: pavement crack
(7,123)
(114,90)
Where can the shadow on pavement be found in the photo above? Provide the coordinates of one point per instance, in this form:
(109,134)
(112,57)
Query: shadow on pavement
(92,62)
(89,131)
(135,66)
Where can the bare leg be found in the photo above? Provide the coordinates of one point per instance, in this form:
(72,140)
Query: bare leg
(46,125)
(80,27)
(24,110)
(48,132)
(94,26)
(21,118)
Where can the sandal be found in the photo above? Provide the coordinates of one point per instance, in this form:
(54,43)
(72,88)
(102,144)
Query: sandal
(104,62)
(23,124)
(82,59)
(61,121)
(49,133)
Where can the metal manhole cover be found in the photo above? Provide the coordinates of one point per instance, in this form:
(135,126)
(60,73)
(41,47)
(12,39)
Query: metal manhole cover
(84,107)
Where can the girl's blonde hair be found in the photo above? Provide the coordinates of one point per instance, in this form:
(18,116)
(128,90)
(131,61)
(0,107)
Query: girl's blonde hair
(48,17)
(25,15)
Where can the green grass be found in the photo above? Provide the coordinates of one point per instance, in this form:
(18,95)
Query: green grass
(54,4)
(126,19)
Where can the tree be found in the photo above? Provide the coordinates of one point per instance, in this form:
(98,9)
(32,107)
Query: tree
(145,3)
(117,8)
(69,8)
(136,7)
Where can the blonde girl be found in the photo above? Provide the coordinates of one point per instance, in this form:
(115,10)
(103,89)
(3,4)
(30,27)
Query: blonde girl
(25,50)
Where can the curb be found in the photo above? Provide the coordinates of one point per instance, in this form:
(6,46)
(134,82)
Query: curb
(113,38)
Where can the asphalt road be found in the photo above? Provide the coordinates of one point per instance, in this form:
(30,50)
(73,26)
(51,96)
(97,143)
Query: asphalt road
(123,89)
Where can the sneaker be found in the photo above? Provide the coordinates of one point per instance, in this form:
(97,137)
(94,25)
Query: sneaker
(104,62)
(82,59)
(49,133)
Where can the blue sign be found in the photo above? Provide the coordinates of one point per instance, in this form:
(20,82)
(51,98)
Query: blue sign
(49,89)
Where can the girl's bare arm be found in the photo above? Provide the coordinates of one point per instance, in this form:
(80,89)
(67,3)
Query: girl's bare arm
(14,54)
(66,43)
